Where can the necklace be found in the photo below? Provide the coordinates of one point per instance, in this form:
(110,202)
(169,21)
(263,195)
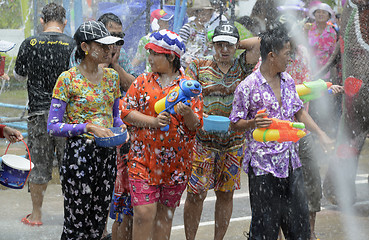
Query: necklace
(52,27)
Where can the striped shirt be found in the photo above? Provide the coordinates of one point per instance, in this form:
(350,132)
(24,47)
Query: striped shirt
(218,92)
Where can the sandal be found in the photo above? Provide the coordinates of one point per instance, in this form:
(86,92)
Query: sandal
(26,221)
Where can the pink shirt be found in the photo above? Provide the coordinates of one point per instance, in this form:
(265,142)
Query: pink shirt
(322,44)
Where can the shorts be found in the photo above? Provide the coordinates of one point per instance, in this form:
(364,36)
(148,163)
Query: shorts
(46,151)
(278,203)
(212,169)
(121,201)
(142,193)
(310,169)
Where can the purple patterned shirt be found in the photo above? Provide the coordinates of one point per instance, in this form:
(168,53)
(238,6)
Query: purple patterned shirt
(254,94)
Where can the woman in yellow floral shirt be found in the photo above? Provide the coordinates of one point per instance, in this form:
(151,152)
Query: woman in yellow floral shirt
(89,95)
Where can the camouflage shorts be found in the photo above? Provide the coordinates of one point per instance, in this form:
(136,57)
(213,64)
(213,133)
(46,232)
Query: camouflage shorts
(46,151)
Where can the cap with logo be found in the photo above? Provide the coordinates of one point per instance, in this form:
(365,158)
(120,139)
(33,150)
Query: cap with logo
(160,14)
(95,31)
(226,33)
(165,41)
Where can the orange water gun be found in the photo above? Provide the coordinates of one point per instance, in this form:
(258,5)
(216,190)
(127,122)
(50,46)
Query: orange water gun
(279,130)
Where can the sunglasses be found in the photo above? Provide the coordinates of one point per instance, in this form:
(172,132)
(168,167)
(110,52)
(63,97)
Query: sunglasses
(117,34)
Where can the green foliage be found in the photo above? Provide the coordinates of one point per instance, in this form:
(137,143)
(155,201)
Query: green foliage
(331,3)
(11,14)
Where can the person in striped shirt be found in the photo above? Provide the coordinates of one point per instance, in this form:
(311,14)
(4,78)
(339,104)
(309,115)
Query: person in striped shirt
(217,155)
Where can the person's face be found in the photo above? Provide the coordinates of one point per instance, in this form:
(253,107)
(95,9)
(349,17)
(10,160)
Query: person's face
(321,16)
(158,62)
(224,51)
(163,24)
(282,58)
(115,30)
(101,53)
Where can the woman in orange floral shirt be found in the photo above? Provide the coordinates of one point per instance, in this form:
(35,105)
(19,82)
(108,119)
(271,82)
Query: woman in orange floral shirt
(159,161)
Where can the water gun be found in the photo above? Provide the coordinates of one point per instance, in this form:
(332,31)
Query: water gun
(312,90)
(280,131)
(186,90)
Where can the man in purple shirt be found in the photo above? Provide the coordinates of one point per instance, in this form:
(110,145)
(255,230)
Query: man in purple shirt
(276,185)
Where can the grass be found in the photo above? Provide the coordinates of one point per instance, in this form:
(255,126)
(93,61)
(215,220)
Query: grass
(18,97)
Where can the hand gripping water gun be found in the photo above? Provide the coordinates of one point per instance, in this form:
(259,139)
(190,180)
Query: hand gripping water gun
(183,93)
(279,130)
(312,90)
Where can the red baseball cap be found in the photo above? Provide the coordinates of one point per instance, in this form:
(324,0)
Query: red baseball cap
(160,14)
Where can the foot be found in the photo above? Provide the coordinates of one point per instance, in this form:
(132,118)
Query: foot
(29,221)
(107,236)
(313,236)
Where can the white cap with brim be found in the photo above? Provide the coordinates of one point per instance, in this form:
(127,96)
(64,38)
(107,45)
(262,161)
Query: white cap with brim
(109,40)
(225,38)
(6,46)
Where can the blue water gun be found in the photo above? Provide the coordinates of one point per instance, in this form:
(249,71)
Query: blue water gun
(186,90)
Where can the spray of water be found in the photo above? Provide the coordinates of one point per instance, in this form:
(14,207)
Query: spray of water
(340,168)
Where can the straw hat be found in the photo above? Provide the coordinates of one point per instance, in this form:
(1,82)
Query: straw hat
(199,4)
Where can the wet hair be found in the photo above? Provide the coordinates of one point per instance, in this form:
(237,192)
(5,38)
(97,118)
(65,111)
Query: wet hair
(53,12)
(176,62)
(273,41)
(109,17)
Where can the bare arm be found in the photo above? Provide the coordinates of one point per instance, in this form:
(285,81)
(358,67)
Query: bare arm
(125,78)
(252,46)
(12,134)
(258,122)
(190,118)
(303,116)
(5,77)
(139,119)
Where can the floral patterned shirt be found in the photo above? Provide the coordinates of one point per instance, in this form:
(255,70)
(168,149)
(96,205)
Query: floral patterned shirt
(157,156)
(88,102)
(322,44)
(254,94)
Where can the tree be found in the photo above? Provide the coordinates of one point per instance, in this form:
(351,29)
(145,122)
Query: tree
(11,14)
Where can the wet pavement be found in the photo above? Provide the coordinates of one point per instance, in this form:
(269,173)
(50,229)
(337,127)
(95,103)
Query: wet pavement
(331,223)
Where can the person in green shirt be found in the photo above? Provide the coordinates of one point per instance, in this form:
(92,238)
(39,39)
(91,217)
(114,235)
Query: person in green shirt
(159,20)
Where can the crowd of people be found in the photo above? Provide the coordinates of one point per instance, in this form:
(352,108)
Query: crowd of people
(80,87)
